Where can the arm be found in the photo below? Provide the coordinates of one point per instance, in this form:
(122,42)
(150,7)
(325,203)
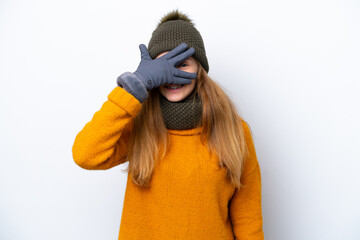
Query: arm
(245,205)
(102,143)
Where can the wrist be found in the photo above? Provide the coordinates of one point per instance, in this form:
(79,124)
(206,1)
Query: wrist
(145,81)
(133,85)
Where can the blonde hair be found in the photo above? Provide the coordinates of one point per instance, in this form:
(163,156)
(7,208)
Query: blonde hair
(222,132)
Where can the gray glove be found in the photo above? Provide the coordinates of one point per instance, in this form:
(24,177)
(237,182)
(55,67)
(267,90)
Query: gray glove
(154,73)
(162,70)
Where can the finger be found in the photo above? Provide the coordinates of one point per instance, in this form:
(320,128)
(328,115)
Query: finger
(178,80)
(179,49)
(182,57)
(144,52)
(183,74)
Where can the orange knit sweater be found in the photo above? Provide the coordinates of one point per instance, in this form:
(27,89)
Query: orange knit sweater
(190,196)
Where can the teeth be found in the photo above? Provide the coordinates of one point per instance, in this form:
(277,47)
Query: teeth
(174,87)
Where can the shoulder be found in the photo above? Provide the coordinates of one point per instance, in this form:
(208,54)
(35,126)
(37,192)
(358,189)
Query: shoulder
(251,164)
(248,136)
(246,129)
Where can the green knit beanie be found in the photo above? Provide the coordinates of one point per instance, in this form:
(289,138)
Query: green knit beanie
(176,28)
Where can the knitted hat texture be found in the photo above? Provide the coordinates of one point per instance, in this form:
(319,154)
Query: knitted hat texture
(176,28)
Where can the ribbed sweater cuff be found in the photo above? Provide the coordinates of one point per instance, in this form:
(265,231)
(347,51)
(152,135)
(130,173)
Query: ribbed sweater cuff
(125,100)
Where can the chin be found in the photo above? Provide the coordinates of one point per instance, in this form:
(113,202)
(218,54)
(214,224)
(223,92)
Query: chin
(172,98)
(176,97)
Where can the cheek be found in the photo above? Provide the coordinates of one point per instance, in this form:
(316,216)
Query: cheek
(192,85)
(195,69)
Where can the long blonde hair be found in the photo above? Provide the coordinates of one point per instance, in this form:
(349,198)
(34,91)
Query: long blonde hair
(222,132)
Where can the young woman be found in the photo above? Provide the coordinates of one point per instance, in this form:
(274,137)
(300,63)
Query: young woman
(193,171)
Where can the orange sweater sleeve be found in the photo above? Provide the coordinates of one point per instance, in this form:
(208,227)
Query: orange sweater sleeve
(102,143)
(245,205)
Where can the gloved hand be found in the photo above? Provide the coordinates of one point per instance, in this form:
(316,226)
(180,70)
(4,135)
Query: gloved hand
(162,70)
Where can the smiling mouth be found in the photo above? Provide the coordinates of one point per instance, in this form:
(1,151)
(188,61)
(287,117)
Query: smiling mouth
(174,86)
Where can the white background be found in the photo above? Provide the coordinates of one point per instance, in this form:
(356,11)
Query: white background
(292,68)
